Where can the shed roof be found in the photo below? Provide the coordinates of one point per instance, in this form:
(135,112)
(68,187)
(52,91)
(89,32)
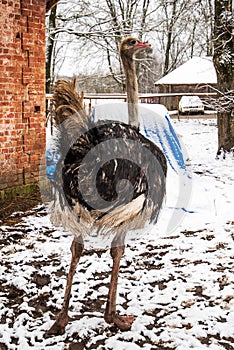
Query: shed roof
(198,70)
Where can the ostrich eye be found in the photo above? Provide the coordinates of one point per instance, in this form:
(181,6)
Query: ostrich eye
(132,42)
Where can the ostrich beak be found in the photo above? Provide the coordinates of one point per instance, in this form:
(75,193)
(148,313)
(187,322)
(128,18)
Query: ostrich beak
(142,45)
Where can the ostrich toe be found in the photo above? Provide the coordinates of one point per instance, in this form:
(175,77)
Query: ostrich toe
(58,328)
(124,323)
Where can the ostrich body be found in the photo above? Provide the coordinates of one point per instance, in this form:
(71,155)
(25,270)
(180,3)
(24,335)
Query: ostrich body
(127,208)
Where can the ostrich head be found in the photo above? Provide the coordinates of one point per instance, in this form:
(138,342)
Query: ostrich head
(130,46)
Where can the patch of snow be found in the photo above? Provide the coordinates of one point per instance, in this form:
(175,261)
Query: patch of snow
(198,70)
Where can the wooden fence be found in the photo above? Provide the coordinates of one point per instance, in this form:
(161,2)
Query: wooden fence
(170,100)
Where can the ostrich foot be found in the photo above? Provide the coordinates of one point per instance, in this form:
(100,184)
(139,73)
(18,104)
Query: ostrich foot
(124,323)
(58,328)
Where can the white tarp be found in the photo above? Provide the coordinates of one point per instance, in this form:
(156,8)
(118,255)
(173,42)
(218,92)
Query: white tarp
(155,125)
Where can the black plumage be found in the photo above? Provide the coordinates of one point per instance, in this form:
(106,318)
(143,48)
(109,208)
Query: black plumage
(114,170)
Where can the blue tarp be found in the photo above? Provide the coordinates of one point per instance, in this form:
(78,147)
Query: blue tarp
(51,160)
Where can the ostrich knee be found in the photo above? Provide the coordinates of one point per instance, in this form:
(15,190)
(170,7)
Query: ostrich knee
(117,252)
(77,248)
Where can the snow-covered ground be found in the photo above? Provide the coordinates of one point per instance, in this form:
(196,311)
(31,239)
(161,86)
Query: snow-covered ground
(179,285)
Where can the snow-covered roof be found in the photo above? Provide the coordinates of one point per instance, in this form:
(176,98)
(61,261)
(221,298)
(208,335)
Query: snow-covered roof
(198,70)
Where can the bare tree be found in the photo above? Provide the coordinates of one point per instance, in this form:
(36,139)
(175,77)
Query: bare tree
(50,49)
(224,64)
(207,13)
(170,25)
(101,26)
(184,31)
(178,29)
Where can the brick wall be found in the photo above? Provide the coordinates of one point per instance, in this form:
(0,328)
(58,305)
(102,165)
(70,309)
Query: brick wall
(22,91)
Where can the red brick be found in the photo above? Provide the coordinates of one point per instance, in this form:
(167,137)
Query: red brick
(22,65)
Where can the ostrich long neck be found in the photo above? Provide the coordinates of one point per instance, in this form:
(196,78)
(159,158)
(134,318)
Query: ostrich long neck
(132,89)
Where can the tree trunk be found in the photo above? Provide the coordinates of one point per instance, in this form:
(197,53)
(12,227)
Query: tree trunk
(224,62)
(50,49)
(169,39)
(50,4)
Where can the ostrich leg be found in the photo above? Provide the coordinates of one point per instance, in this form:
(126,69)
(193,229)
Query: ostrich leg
(62,318)
(122,322)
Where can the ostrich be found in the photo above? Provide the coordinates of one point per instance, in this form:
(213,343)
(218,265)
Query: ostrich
(77,206)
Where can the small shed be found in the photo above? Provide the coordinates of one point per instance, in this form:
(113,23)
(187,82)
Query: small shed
(196,76)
